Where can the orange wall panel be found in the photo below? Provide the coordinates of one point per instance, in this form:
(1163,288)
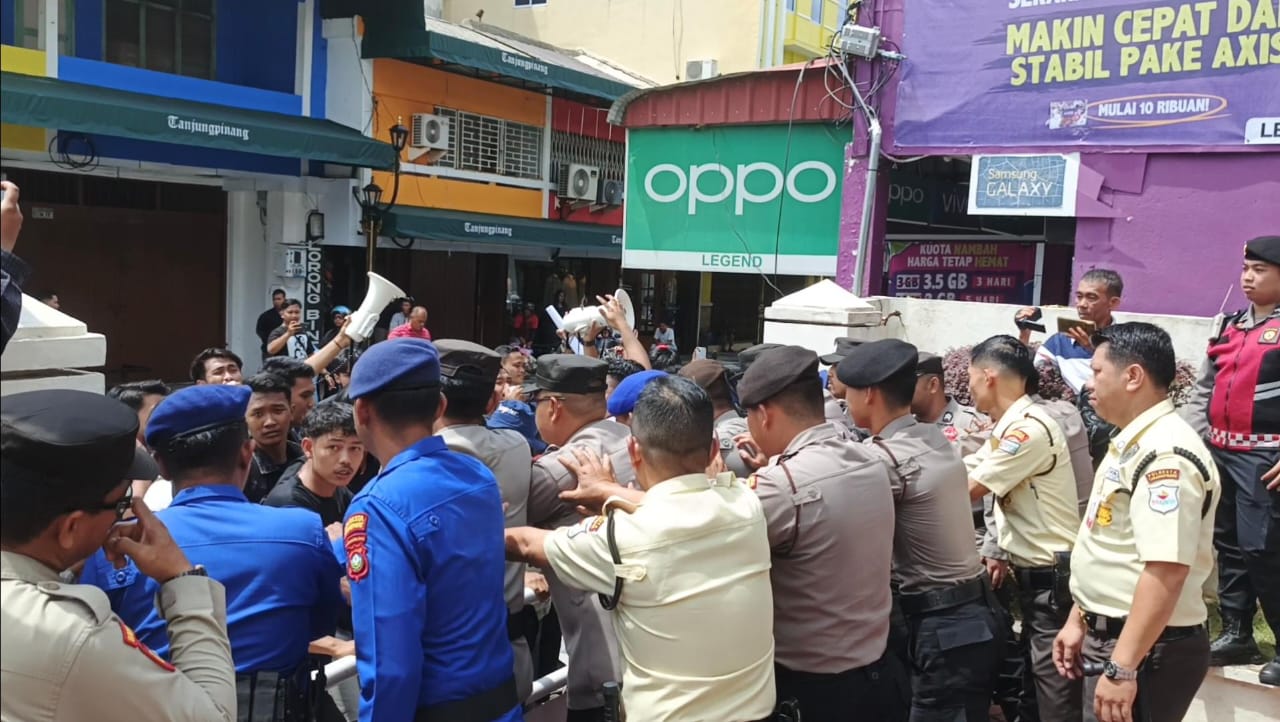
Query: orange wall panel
(431,192)
(405,88)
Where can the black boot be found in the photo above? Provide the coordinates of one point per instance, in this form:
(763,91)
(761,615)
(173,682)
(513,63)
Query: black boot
(1235,645)
(1270,673)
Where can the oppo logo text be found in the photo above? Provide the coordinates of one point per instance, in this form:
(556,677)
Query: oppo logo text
(735,184)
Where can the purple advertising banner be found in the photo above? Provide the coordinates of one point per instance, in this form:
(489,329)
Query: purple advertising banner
(1046,73)
(963,271)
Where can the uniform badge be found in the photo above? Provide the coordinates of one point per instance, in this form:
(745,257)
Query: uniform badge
(1113,474)
(1159,475)
(131,640)
(946,418)
(1104,515)
(1128,454)
(950,432)
(751,481)
(586,526)
(354,540)
(1012,442)
(1270,337)
(1163,498)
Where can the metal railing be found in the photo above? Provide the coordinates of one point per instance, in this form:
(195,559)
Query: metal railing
(344,668)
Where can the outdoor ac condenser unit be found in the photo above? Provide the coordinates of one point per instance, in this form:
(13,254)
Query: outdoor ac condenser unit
(701,69)
(611,193)
(429,131)
(583,182)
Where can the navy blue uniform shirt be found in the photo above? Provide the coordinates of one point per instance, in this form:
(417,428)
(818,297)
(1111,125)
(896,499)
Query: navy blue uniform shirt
(277,565)
(426,556)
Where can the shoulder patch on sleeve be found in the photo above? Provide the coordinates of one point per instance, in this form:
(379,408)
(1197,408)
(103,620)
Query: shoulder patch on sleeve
(1163,498)
(354,538)
(131,640)
(590,525)
(1159,475)
(1012,441)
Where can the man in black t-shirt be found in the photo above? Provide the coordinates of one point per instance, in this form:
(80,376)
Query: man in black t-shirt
(269,319)
(333,456)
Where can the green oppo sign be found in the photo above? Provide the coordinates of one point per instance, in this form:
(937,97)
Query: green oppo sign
(737,199)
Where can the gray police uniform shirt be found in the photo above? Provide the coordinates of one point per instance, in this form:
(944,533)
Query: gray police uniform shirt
(836,411)
(933,535)
(587,629)
(829,508)
(729,425)
(506,453)
(65,656)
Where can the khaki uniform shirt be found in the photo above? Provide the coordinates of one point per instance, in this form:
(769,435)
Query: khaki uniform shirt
(729,425)
(933,534)
(830,513)
(1158,512)
(65,656)
(695,619)
(506,453)
(1027,466)
(587,629)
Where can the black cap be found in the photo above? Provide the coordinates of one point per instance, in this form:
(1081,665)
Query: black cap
(928,363)
(468,361)
(872,363)
(748,356)
(843,347)
(75,437)
(779,368)
(567,373)
(1263,248)
(703,372)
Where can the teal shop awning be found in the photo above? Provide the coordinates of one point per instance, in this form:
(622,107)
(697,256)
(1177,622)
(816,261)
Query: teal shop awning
(390,34)
(436,225)
(52,103)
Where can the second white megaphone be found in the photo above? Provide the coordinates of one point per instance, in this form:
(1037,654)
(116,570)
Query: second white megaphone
(380,293)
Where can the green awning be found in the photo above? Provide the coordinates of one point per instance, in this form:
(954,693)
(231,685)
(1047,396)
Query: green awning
(52,103)
(388,35)
(437,225)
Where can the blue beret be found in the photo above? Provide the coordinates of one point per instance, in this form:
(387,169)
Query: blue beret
(398,364)
(195,409)
(623,400)
(518,416)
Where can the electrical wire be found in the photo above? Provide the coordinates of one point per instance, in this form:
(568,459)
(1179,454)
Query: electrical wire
(367,86)
(63,158)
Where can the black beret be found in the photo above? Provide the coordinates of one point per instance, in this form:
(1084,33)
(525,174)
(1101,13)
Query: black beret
(1264,248)
(748,356)
(703,372)
(872,363)
(928,363)
(779,368)
(843,347)
(72,437)
(567,373)
(466,360)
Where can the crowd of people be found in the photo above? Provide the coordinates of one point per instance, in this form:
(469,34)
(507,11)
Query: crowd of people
(776,535)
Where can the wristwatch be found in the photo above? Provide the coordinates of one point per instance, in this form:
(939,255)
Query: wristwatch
(196,571)
(1115,672)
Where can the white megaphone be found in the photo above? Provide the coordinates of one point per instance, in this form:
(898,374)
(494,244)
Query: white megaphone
(578,320)
(381,292)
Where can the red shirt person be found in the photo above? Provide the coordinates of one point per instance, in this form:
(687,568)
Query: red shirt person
(416,327)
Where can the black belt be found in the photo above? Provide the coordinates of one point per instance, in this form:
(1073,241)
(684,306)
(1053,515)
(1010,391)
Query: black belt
(939,599)
(521,623)
(1110,628)
(1037,579)
(485,706)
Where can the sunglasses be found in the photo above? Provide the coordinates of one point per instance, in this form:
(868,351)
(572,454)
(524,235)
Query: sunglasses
(121,507)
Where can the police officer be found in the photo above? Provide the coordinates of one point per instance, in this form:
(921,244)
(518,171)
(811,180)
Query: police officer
(278,565)
(943,589)
(835,408)
(468,372)
(622,401)
(1236,408)
(729,424)
(1027,466)
(66,464)
(963,426)
(568,391)
(687,546)
(424,555)
(1145,547)
(829,507)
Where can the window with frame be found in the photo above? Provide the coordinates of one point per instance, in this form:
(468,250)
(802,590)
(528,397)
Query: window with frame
(485,144)
(169,36)
(529,3)
(609,156)
(29,18)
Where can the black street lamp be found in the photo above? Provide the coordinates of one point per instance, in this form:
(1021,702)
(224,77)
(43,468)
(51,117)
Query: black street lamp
(369,198)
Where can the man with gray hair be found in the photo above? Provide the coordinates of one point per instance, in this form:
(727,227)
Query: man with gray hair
(684,547)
